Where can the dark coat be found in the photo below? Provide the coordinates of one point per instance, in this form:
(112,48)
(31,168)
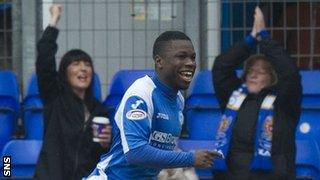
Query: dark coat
(286,107)
(68,151)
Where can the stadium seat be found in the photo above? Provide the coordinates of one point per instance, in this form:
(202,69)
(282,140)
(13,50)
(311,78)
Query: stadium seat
(121,81)
(32,111)
(96,87)
(307,159)
(202,108)
(9,105)
(24,155)
(311,102)
(309,125)
(308,129)
(311,88)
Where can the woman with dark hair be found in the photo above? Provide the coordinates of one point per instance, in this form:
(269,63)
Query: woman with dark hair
(260,110)
(68,151)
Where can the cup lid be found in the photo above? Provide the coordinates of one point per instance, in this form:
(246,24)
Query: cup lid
(101,120)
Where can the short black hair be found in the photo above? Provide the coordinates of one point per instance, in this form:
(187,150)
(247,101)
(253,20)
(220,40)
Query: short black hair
(164,38)
(72,56)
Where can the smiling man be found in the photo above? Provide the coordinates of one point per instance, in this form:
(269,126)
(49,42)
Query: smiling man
(149,117)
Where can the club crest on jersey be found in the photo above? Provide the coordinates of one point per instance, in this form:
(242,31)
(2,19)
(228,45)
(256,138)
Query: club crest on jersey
(136,114)
(136,104)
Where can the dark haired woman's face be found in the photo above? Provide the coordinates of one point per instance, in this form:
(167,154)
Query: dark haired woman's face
(257,77)
(79,75)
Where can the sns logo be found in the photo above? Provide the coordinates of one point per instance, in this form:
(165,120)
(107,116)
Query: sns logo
(6,166)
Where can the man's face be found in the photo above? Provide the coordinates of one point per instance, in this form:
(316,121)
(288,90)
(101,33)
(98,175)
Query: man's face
(177,64)
(257,77)
(79,75)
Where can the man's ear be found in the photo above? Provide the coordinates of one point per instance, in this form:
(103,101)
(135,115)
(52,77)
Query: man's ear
(158,60)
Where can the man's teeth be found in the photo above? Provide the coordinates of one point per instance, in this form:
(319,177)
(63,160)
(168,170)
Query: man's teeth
(187,73)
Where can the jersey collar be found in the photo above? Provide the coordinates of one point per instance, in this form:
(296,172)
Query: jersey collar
(168,91)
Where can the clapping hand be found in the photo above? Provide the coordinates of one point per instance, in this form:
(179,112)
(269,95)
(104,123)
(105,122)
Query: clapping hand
(258,23)
(55,11)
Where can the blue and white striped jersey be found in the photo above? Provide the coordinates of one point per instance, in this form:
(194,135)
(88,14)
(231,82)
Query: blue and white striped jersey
(148,124)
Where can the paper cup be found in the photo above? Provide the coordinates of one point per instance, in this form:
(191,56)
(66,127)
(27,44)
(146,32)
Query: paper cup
(98,123)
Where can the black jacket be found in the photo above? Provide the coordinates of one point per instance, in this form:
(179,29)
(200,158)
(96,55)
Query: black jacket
(68,151)
(286,107)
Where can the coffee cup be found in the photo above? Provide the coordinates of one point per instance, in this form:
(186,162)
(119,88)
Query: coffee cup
(99,123)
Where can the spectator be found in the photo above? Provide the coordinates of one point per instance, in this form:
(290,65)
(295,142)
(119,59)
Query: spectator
(68,151)
(261,109)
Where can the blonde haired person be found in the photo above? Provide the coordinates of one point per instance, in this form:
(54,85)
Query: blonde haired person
(261,109)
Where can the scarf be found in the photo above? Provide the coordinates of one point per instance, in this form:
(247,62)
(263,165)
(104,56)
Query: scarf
(263,135)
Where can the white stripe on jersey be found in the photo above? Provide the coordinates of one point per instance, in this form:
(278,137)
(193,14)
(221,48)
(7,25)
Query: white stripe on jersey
(103,164)
(181,98)
(142,88)
(100,175)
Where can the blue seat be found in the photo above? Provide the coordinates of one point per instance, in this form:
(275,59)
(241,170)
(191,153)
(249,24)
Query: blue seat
(202,108)
(309,125)
(96,87)
(310,114)
(33,111)
(9,105)
(308,129)
(307,159)
(311,89)
(121,81)
(308,146)
(24,155)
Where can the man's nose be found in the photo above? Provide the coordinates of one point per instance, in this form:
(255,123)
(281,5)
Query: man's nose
(191,62)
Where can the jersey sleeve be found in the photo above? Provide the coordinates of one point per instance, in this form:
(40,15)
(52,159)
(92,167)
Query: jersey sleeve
(150,156)
(134,123)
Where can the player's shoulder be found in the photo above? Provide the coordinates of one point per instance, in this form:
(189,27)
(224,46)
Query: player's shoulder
(142,88)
